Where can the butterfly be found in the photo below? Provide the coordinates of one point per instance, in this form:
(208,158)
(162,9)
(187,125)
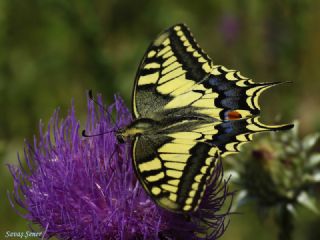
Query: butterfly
(187,112)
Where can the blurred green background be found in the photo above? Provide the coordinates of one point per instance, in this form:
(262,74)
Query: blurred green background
(52,51)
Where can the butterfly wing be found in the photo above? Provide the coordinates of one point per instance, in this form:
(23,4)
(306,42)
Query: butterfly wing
(175,164)
(174,167)
(176,77)
(177,81)
(172,65)
(231,135)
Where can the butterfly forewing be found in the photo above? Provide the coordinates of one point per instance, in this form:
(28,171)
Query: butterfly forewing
(171,67)
(176,73)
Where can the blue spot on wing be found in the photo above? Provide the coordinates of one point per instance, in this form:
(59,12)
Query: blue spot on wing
(229,129)
(227,132)
(232,103)
(214,81)
(219,84)
(235,92)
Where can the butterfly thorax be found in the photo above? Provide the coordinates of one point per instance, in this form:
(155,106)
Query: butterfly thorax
(136,128)
(148,126)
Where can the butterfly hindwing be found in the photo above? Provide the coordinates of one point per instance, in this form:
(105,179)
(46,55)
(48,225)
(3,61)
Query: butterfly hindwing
(174,166)
(231,135)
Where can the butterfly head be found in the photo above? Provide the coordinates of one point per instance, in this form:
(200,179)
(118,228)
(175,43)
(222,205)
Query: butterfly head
(121,136)
(128,133)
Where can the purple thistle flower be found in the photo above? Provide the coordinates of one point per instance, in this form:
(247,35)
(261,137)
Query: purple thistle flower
(85,188)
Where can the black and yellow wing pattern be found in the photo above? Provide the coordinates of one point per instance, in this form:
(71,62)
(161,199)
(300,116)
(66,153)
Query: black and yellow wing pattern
(196,110)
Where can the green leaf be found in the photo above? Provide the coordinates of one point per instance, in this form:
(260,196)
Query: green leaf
(310,140)
(241,199)
(291,209)
(311,178)
(308,202)
(291,149)
(316,176)
(285,137)
(233,174)
(314,160)
(295,129)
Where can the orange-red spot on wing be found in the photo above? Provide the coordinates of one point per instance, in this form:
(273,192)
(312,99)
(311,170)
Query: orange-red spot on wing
(233,115)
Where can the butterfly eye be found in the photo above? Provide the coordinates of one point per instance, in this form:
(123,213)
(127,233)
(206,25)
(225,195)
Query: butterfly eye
(120,139)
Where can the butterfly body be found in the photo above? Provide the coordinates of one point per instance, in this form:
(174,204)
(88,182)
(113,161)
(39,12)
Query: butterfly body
(138,127)
(186,112)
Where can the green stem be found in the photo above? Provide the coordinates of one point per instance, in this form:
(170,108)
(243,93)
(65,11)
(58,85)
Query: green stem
(285,224)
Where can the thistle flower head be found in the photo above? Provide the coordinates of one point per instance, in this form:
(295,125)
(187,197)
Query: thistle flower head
(280,169)
(85,188)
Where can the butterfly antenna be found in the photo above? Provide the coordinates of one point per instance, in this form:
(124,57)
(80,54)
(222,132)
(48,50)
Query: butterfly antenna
(103,107)
(84,134)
